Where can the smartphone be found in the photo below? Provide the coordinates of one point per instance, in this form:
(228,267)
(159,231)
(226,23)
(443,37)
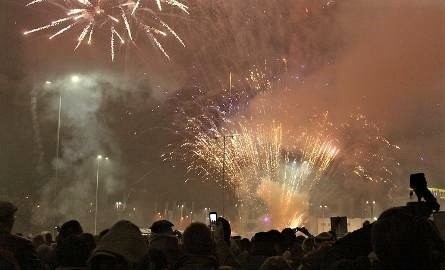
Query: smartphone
(212,217)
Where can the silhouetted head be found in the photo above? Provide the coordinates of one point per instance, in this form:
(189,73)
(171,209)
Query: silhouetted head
(245,245)
(198,239)
(69,228)
(162,227)
(308,245)
(7,212)
(276,263)
(288,238)
(264,243)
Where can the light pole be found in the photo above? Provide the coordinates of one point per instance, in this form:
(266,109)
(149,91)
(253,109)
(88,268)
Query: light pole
(74,79)
(58,143)
(99,158)
(206,215)
(371,207)
(323,210)
(224,167)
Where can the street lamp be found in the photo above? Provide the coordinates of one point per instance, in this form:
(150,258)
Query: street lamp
(371,206)
(323,210)
(98,158)
(182,212)
(75,78)
(224,166)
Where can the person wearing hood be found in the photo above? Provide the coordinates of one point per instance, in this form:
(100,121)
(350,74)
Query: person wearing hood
(15,251)
(122,248)
(198,249)
(164,241)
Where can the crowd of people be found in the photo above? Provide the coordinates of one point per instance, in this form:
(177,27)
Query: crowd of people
(401,239)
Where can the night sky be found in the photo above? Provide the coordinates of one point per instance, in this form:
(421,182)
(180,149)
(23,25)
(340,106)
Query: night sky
(382,58)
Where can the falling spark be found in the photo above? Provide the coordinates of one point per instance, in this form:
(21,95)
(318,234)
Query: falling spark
(112,44)
(53,23)
(83,34)
(172,32)
(156,42)
(34,2)
(119,36)
(179,5)
(127,25)
(135,7)
(91,34)
(158,2)
(62,30)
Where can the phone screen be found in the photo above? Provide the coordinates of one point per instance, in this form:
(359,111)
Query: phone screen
(213,216)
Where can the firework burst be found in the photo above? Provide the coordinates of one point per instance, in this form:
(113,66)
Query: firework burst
(281,166)
(120,18)
(257,162)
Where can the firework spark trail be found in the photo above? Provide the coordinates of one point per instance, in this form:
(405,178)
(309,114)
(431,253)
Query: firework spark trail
(158,3)
(52,24)
(61,31)
(112,44)
(136,5)
(83,34)
(156,41)
(172,32)
(179,5)
(91,34)
(104,15)
(127,25)
(34,2)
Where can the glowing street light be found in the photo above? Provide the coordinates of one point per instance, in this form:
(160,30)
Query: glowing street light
(75,78)
(371,206)
(224,137)
(98,158)
(323,208)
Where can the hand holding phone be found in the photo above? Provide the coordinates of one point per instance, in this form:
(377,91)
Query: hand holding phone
(213,216)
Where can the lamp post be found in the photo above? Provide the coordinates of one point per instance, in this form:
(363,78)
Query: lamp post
(323,210)
(99,158)
(74,79)
(371,207)
(224,137)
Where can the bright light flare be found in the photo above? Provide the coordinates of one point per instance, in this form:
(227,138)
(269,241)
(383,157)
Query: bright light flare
(75,79)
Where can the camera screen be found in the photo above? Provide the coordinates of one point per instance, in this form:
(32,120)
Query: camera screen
(212,217)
